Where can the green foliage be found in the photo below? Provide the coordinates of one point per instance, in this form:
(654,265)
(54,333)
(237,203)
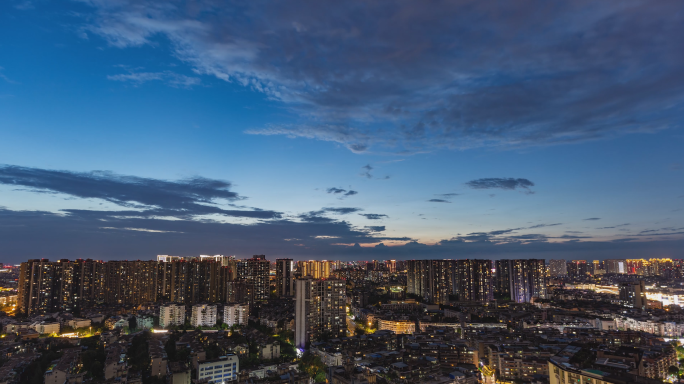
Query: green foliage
(212,351)
(33,374)
(673,370)
(93,358)
(133,323)
(138,352)
(170,347)
(313,366)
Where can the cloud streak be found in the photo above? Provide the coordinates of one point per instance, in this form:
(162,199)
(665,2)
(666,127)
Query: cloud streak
(502,183)
(145,196)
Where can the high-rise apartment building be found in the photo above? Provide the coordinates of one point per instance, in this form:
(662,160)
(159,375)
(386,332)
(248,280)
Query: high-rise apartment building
(319,310)
(502,279)
(256,271)
(526,278)
(171,314)
(37,293)
(615,266)
(474,278)
(203,315)
(578,268)
(284,277)
(433,280)
(558,268)
(235,314)
(391,265)
(633,295)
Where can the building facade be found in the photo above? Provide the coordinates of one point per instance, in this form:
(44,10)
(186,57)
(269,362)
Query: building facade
(319,310)
(203,315)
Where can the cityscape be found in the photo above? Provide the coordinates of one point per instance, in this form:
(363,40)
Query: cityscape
(215,318)
(341,192)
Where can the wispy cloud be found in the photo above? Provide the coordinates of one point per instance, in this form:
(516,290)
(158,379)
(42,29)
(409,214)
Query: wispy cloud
(171,78)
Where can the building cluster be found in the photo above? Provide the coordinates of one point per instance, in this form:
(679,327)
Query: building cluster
(476,280)
(63,285)
(218,319)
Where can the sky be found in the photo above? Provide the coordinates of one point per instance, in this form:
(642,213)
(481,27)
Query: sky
(347,130)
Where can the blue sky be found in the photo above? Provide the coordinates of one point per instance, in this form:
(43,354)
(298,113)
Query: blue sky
(130,129)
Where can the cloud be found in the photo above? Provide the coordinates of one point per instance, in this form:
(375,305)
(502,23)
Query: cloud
(373,216)
(341,191)
(318,216)
(470,74)
(171,78)
(448,195)
(342,211)
(544,225)
(375,228)
(501,183)
(592,219)
(4,77)
(439,201)
(147,197)
(615,226)
(366,173)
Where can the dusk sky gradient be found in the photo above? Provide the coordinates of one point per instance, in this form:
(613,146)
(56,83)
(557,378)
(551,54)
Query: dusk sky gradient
(341,130)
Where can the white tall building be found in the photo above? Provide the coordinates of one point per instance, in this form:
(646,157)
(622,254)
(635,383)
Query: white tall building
(203,315)
(235,314)
(171,314)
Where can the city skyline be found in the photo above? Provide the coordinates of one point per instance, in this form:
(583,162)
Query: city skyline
(462,131)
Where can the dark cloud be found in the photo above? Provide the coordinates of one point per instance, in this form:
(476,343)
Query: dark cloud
(375,228)
(456,74)
(544,225)
(342,211)
(318,216)
(366,171)
(153,197)
(501,183)
(373,216)
(342,192)
(592,219)
(615,226)
(439,201)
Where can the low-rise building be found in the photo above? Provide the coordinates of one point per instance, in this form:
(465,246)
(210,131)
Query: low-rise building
(397,326)
(203,315)
(179,373)
(158,359)
(269,351)
(225,368)
(235,314)
(171,314)
(45,327)
(79,323)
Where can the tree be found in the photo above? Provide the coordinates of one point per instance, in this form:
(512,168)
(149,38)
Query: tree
(313,366)
(133,323)
(673,370)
